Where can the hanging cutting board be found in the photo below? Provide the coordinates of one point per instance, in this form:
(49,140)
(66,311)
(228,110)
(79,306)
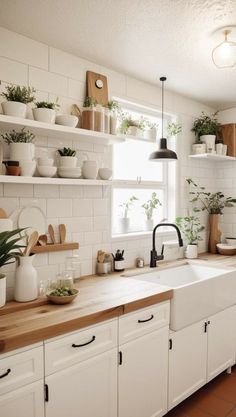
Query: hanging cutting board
(97,87)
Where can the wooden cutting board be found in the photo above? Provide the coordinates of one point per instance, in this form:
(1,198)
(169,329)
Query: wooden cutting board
(97,87)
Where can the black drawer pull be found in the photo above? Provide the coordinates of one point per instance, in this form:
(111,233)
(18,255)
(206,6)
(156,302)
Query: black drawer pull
(84,344)
(144,321)
(6,373)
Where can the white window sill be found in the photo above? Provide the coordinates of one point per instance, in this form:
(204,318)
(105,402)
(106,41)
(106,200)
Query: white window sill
(135,235)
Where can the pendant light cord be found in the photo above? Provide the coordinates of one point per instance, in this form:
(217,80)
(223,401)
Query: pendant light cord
(162,79)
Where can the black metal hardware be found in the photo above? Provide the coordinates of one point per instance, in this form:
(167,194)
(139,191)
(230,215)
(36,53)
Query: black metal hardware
(205,327)
(46,393)
(208,322)
(154,257)
(170,344)
(84,344)
(120,358)
(5,374)
(144,321)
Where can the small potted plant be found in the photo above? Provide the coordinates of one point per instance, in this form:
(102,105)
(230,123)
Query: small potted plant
(191,229)
(173,129)
(125,220)
(88,114)
(114,109)
(9,251)
(17,99)
(206,128)
(151,131)
(149,207)
(68,157)
(45,111)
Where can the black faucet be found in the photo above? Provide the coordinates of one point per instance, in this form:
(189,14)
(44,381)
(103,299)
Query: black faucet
(154,257)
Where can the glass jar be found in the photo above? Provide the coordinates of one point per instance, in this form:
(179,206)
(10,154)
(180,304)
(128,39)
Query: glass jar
(99,119)
(73,265)
(88,118)
(106,120)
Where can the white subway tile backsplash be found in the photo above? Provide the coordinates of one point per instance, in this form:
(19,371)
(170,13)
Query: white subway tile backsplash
(13,72)
(59,207)
(93,191)
(101,223)
(76,90)
(82,207)
(46,191)
(100,207)
(91,238)
(14,190)
(71,191)
(47,81)
(78,224)
(58,257)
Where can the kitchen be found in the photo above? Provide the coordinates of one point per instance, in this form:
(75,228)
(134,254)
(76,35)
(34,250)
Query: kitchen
(88,210)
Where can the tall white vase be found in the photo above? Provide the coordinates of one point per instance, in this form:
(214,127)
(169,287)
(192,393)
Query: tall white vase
(2,290)
(26,284)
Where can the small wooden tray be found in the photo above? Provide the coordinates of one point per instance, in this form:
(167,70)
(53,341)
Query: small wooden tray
(55,247)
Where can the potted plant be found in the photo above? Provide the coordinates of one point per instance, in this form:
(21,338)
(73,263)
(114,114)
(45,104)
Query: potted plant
(191,229)
(45,111)
(149,207)
(17,98)
(206,128)
(68,157)
(114,109)
(9,251)
(151,131)
(214,204)
(125,220)
(130,126)
(22,149)
(88,114)
(173,129)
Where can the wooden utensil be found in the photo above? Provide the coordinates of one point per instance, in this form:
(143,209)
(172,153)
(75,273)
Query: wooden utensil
(62,233)
(3,214)
(31,243)
(51,233)
(42,240)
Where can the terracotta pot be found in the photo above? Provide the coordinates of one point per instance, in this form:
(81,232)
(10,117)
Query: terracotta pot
(214,233)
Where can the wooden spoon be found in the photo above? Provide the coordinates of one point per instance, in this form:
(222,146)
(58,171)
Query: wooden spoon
(31,243)
(42,240)
(3,214)
(62,233)
(51,233)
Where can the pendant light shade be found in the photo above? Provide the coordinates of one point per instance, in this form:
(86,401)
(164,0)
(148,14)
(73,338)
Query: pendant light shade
(224,54)
(163,153)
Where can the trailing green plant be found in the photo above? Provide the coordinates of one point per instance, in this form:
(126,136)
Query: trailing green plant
(127,205)
(206,125)
(20,94)
(24,136)
(9,248)
(213,203)
(173,129)
(113,106)
(152,125)
(191,228)
(47,105)
(151,205)
(66,152)
(90,102)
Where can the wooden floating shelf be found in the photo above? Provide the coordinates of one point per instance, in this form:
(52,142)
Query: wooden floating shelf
(213,157)
(58,131)
(50,181)
(55,247)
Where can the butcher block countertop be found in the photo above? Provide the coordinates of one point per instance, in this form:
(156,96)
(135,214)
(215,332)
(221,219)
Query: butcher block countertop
(99,299)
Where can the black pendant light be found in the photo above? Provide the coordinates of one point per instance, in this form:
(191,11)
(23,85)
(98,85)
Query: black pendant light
(163,153)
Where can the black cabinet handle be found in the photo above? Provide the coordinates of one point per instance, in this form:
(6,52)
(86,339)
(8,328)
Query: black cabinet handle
(205,327)
(84,344)
(144,321)
(6,373)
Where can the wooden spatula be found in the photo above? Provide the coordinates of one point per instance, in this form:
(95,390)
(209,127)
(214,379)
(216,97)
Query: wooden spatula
(62,233)
(31,243)
(42,240)
(3,214)
(51,233)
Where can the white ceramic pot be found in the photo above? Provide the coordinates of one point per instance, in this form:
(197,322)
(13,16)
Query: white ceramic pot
(46,162)
(26,284)
(68,161)
(113,124)
(90,170)
(105,173)
(151,133)
(210,141)
(44,115)
(198,148)
(191,251)
(148,225)
(27,168)
(67,120)
(14,108)
(2,290)
(134,131)
(21,151)
(124,225)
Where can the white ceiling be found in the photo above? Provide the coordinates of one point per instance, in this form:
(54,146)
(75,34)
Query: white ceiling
(142,38)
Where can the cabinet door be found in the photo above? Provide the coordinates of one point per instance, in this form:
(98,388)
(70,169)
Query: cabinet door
(26,401)
(87,389)
(221,342)
(187,362)
(143,375)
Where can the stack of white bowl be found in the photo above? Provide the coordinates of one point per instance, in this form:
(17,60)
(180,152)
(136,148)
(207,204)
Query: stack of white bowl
(68,167)
(46,168)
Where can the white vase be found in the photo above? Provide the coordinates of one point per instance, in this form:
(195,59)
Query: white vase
(210,141)
(2,290)
(22,151)
(124,225)
(148,225)
(90,170)
(191,251)
(113,124)
(134,131)
(26,284)
(14,108)
(27,168)
(68,161)
(151,134)
(44,115)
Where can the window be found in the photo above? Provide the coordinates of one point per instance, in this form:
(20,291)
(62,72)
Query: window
(137,178)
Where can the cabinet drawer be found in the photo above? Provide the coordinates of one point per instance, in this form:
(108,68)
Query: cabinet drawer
(78,346)
(21,369)
(143,321)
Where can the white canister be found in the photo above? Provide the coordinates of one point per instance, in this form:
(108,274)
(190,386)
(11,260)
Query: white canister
(90,170)
(27,168)
(210,141)
(219,148)
(191,251)
(26,284)
(198,148)
(224,150)
(21,151)
(2,290)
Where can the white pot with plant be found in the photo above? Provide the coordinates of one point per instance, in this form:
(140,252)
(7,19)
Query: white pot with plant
(124,221)
(114,109)
(151,131)
(129,126)
(149,207)
(17,99)
(45,111)
(191,229)
(206,128)
(68,158)
(9,252)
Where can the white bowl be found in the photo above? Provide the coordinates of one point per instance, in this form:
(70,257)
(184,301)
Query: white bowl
(105,173)
(231,241)
(46,162)
(67,120)
(46,171)
(69,172)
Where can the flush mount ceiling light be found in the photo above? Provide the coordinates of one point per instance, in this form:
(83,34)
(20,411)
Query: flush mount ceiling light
(163,154)
(224,54)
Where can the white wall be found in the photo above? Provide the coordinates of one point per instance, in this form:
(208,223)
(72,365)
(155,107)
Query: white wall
(86,210)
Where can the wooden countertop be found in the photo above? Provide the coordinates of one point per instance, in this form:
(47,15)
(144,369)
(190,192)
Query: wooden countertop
(100,299)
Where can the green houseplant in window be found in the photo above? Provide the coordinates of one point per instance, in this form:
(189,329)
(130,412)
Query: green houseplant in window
(17,98)
(124,221)
(149,207)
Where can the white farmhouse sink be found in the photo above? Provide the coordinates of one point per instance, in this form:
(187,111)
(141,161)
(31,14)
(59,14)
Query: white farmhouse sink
(199,291)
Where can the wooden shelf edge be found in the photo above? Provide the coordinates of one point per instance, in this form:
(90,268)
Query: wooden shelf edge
(55,247)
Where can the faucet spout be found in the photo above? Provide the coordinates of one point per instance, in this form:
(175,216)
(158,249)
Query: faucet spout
(154,256)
